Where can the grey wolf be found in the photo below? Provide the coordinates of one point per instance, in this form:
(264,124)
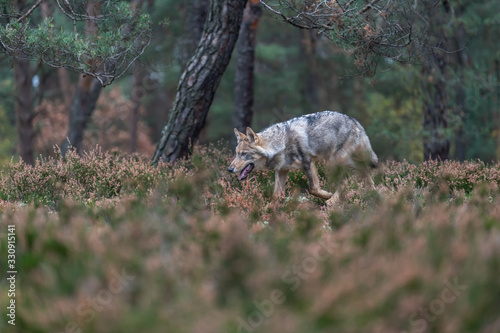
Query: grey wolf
(298,143)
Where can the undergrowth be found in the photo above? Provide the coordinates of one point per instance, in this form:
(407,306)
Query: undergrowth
(109,243)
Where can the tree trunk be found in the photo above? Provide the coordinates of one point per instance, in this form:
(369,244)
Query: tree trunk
(197,11)
(435,124)
(138,92)
(86,96)
(497,98)
(23,77)
(311,89)
(460,107)
(200,80)
(65,86)
(196,16)
(24,109)
(434,74)
(245,63)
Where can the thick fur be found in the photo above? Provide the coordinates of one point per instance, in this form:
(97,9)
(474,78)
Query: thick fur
(299,142)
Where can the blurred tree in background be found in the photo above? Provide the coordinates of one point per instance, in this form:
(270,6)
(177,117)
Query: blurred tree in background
(99,39)
(200,80)
(299,71)
(245,66)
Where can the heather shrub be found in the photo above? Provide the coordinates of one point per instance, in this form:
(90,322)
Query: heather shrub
(457,176)
(204,182)
(91,177)
(126,247)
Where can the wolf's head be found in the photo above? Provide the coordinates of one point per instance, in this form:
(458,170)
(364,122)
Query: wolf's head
(250,154)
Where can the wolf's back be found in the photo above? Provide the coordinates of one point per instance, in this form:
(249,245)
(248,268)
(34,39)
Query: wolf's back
(327,134)
(362,142)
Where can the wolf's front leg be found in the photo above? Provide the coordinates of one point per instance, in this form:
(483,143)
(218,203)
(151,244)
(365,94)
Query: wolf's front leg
(312,176)
(279,182)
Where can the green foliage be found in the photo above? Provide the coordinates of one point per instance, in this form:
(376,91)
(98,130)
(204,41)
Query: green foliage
(105,49)
(297,72)
(395,129)
(275,53)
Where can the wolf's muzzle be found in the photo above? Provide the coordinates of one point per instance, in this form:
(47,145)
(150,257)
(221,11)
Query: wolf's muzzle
(230,169)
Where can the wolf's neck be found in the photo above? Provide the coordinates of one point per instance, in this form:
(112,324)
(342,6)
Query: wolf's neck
(274,138)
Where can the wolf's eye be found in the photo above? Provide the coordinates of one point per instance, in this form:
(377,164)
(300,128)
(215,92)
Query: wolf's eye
(245,156)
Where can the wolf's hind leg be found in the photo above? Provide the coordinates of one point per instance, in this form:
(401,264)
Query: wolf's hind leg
(279,182)
(312,176)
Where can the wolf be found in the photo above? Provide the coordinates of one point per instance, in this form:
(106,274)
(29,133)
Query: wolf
(298,143)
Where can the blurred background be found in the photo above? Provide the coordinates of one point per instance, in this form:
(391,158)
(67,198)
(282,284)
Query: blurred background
(296,72)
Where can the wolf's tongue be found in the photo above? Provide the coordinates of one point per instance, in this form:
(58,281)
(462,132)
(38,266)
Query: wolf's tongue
(244,173)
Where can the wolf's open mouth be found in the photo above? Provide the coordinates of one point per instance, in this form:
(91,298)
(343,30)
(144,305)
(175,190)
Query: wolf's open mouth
(246,171)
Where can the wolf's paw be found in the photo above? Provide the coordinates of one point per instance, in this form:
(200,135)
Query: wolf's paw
(333,200)
(321,194)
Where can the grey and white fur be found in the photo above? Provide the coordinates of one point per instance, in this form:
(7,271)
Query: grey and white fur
(298,143)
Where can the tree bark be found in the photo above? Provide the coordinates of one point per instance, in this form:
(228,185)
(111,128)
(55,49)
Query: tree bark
(84,102)
(197,12)
(200,80)
(245,64)
(196,16)
(24,109)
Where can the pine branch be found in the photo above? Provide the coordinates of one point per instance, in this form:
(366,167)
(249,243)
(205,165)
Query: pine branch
(28,13)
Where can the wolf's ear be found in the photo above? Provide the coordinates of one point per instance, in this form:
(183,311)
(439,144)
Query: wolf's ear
(239,136)
(252,137)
